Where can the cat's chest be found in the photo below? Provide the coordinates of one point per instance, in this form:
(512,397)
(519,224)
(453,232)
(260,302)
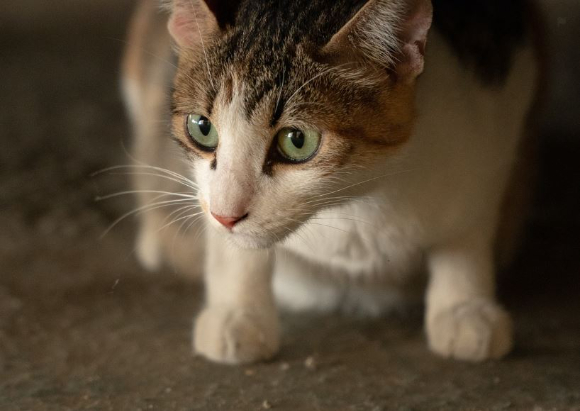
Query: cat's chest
(360,239)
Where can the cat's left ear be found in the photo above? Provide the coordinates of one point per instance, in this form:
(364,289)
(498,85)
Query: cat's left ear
(193,22)
(391,33)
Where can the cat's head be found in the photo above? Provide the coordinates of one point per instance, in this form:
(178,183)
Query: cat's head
(283,106)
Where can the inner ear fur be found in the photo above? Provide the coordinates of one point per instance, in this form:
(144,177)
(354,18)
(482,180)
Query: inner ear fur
(388,33)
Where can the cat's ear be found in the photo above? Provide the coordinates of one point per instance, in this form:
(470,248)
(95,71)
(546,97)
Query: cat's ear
(195,21)
(391,33)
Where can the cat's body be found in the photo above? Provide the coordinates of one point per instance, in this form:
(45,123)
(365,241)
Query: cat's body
(432,201)
(447,173)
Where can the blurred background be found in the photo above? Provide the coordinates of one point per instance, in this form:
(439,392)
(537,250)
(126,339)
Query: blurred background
(82,327)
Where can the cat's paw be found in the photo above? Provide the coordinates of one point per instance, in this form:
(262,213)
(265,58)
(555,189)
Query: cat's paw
(236,336)
(471,331)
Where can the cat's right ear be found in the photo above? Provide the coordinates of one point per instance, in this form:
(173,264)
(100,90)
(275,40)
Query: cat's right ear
(391,33)
(194,22)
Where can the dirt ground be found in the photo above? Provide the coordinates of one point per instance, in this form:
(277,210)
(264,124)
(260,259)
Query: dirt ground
(83,328)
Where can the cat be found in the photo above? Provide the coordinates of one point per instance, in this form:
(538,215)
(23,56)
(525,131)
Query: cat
(333,155)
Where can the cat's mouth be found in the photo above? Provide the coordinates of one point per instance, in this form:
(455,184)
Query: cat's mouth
(250,234)
(251,231)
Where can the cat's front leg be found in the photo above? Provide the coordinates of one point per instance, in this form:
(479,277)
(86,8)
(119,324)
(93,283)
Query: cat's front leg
(463,319)
(239,323)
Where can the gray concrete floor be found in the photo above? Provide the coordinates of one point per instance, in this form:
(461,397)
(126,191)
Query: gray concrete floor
(83,328)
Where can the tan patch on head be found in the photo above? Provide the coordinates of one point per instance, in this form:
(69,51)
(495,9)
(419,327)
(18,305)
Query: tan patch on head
(374,130)
(368,131)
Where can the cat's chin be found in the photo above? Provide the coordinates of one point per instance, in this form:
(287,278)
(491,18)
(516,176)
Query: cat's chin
(249,241)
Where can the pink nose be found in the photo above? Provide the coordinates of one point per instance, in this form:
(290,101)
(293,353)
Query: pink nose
(228,222)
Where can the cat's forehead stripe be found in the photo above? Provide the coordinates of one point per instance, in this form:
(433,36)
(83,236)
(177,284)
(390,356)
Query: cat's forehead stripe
(260,90)
(263,55)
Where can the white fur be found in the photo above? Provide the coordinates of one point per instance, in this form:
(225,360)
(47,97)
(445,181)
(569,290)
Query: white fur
(297,289)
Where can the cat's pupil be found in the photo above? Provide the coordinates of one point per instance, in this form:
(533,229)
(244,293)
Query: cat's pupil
(297,138)
(204,125)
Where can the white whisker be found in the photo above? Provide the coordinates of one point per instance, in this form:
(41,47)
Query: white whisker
(163,193)
(308,82)
(147,207)
(364,182)
(138,166)
(166,177)
(180,219)
(176,214)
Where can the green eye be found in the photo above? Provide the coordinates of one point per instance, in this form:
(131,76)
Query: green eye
(296,145)
(202,132)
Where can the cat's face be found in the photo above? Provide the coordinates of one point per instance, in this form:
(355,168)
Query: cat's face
(277,128)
